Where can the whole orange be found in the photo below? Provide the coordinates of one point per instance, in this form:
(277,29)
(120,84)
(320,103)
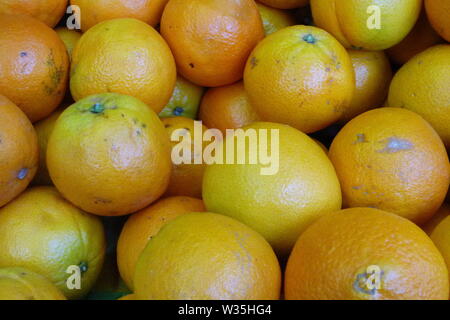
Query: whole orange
(211,39)
(144,225)
(18,151)
(124,56)
(393,160)
(49,12)
(300,76)
(34,65)
(109,154)
(365,254)
(438,12)
(285,4)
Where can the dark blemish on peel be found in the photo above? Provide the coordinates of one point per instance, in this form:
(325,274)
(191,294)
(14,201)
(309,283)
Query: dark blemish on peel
(360,138)
(22,173)
(23,54)
(309,38)
(191,65)
(254,62)
(167,126)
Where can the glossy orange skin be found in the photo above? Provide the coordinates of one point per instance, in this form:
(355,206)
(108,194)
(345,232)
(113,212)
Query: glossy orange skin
(211,39)
(144,225)
(49,12)
(330,259)
(34,65)
(18,151)
(438,12)
(227,107)
(285,4)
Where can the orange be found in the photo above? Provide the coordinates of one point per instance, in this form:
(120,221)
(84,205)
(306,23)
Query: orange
(279,203)
(367,24)
(392,159)
(365,254)
(421,85)
(441,238)
(285,4)
(144,225)
(211,39)
(69,37)
(128,297)
(440,215)
(421,37)
(438,12)
(373,75)
(202,256)
(34,65)
(187,174)
(227,107)
(123,56)
(274,19)
(18,151)
(22,284)
(49,12)
(304,83)
(94,12)
(43,232)
(109,154)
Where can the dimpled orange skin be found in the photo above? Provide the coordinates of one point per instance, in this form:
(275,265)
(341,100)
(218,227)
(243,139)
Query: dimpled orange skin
(422,86)
(109,154)
(227,107)
(330,259)
(186,178)
(438,12)
(144,225)
(34,65)
(285,4)
(49,12)
(440,215)
(300,76)
(373,75)
(19,151)
(207,256)
(211,39)
(123,56)
(393,160)
(349,21)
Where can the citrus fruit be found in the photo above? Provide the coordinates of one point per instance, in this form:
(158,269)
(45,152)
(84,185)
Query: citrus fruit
(123,56)
(440,215)
(94,12)
(18,151)
(367,24)
(34,65)
(144,225)
(47,11)
(391,159)
(188,167)
(211,39)
(373,75)
(438,12)
(227,107)
(109,154)
(304,83)
(69,37)
(128,297)
(285,4)
(185,100)
(421,85)
(365,254)
(279,203)
(441,238)
(207,256)
(274,19)
(42,232)
(22,284)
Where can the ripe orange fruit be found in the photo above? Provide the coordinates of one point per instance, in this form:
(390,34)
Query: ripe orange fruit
(227,107)
(49,12)
(34,65)
(187,176)
(304,83)
(94,12)
(438,12)
(207,256)
(365,254)
(69,37)
(440,215)
(441,238)
(144,225)
(22,284)
(285,4)
(391,159)
(282,203)
(123,56)
(373,75)
(18,151)
(109,154)
(43,232)
(421,85)
(211,39)
(274,19)
(367,24)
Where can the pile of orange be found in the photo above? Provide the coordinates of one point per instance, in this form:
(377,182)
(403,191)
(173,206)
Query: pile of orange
(216,149)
